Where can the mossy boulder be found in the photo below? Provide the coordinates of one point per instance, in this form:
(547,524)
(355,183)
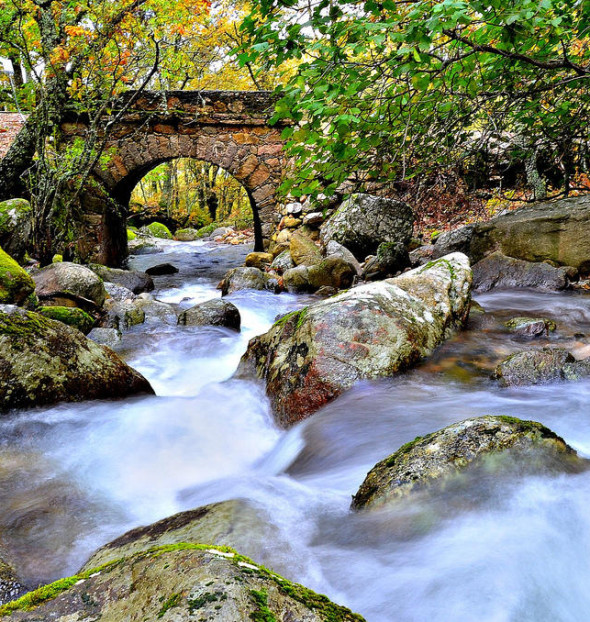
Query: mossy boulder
(215,312)
(436,458)
(181,582)
(72,316)
(16,226)
(540,366)
(43,361)
(311,356)
(158,230)
(16,285)
(282,262)
(187,235)
(69,282)
(131,235)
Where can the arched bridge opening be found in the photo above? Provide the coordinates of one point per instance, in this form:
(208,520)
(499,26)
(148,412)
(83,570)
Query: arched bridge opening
(229,129)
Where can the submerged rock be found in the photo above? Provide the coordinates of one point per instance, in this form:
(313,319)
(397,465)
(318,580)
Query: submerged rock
(497,270)
(212,313)
(311,356)
(182,582)
(437,457)
(531,326)
(16,227)
(540,366)
(243,278)
(364,221)
(16,285)
(43,361)
(69,281)
(133,280)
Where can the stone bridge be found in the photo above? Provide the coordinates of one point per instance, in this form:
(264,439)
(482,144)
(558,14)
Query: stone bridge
(226,128)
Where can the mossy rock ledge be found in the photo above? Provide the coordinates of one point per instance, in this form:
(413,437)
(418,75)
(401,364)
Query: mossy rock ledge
(16,285)
(311,356)
(181,582)
(43,361)
(437,457)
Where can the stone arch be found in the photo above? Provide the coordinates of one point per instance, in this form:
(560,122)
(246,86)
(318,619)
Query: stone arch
(227,128)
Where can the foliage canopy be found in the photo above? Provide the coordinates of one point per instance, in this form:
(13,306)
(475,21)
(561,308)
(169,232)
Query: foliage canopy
(386,89)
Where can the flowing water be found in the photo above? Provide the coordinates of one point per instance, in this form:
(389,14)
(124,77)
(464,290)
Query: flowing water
(74,476)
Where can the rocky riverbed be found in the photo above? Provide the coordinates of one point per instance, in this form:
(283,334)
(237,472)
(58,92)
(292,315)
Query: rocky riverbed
(76,476)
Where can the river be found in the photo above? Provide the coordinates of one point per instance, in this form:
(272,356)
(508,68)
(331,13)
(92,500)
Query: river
(75,476)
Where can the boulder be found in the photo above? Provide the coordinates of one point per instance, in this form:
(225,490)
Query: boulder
(333,271)
(187,235)
(118,292)
(282,262)
(141,246)
(63,282)
(436,458)
(540,366)
(421,255)
(158,230)
(364,221)
(553,231)
(123,314)
(392,258)
(234,523)
(43,361)
(137,282)
(314,219)
(72,316)
(258,260)
(182,582)
(212,313)
(161,269)
(162,311)
(296,280)
(530,326)
(456,241)
(243,278)
(497,270)
(16,285)
(335,249)
(303,251)
(221,231)
(311,356)
(295,208)
(106,336)
(16,227)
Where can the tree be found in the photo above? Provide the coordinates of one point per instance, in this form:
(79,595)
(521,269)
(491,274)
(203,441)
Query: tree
(387,89)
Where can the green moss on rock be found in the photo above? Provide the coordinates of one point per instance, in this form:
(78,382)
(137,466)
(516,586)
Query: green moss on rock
(16,285)
(72,316)
(158,230)
(131,235)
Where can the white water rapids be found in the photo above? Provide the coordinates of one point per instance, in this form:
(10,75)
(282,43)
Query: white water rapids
(75,476)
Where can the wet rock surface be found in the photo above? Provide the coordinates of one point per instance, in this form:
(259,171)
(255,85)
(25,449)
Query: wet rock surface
(441,455)
(180,582)
(311,356)
(212,313)
(43,361)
